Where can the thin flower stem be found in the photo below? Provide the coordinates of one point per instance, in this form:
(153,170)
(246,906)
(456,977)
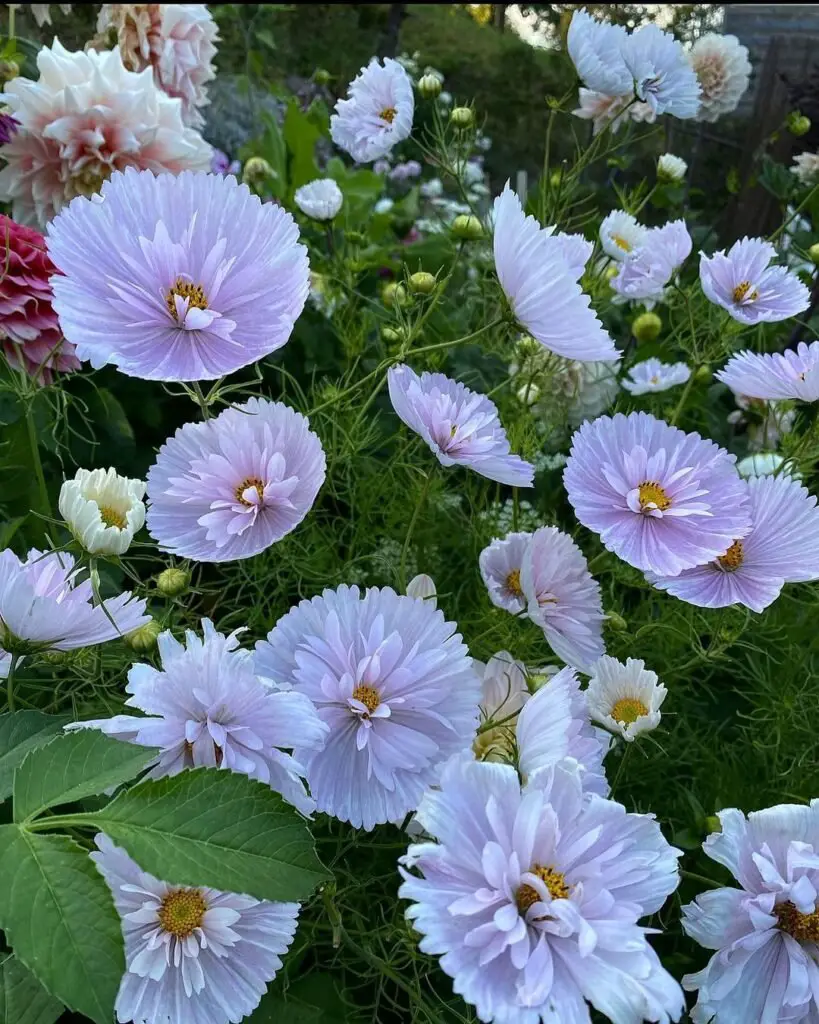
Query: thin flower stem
(12,16)
(31,430)
(200,400)
(620,767)
(683,399)
(10,682)
(405,550)
(701,878)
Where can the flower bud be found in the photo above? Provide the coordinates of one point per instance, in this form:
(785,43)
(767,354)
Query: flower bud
(612,271)
(422,283)
(527,346)
(394,294)
(461,117)
(813,252)
(538,679)
(356,237)
(256,171)
(647,327)
(467,227)
(172,581)
(429,86)
(616,622)
(423,587)
(143,639)
(703,374)
(797,124)
(390,335)
(8,69)
(321,76)
(528,394)
(712,824)
(671,169)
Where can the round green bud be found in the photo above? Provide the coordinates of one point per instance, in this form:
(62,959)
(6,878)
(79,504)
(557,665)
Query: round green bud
(394,294)
(703,374)
(712,823)
(467,227)
(143,639)
(321,76)
(555,179)
(797,123)
(616,622)
(429,86)
(422,283)
(8,69)
(813,252)
(527,346)
(356,237)
(537,680)
(390,335)
(256,171)
(647,327)
(461,117)
(612,271)
(172,582)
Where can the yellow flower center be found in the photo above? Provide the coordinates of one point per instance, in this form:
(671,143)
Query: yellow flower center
(627,710)
(248,482)
(733,557)
(802,927)
(741,292)
(194,293)
(554,881)
(182,911)
(112,517)
(653,496)
(368,695)
(513,583)
(622,243)
(388,114)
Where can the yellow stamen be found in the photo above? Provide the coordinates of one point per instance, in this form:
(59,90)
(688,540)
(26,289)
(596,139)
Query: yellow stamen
(554,881)
(733,557)
(627,710)
(111,517)
(182,911)
(368,696)
(651,494)
(741,292)
(621,243)
(194,293)
(250,481)
(513,583)
(802,927)
(388,114)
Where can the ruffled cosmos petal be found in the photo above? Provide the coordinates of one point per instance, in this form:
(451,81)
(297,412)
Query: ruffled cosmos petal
(393,681)
(230,487)
(652,375)
(542,287)
(460,426)
(663,76)
(649,267)
(377,113)
(661,499)
(596,50)
(774,375)
(501,564)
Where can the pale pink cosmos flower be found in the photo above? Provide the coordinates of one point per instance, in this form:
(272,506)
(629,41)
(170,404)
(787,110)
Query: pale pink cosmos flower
(501,564)
(774,375)
(377,113)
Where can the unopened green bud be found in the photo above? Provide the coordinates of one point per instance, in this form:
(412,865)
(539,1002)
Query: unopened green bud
(390,335)
(703,374)
(813,252)
(647,327)
(555,179)
(256,171)
(616,622)
(429,86)
(422,282)
(712,824)
(467,227)
(612,270)
(394,294)
(527,346)
(797,124)
(321,76)
(172,582)
(356,237)
(8,69)
(143,639)
(461,117)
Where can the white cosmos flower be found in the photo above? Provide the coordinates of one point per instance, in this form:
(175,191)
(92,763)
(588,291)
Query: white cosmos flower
(722,67)
(620,234)
(806,168)
(766,464)
(193,955)
(663,77)
(422,586)
(320,199)
(671,168)
(596,49)
(652,375)
(377,113)
(626,698)
(103,510)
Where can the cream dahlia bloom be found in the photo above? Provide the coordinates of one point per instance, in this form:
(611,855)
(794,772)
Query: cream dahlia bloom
(626,698)
(178,41)
(103,510)
(723,70)
(806,168)
(85,117)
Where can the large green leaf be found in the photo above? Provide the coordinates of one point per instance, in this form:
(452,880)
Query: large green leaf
(59,918)
(217,828)
(73,766)
(313,999)
(20,733)
(23,1000)
(301,136)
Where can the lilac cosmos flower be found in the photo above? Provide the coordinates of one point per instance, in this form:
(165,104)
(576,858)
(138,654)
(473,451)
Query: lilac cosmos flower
(652,376)
(775,375)
(753,292)
(663,76)
(394,682)
(531,897)
(501,564)
(460,426)
(206,708)
(650,266)
(562,596)
(782,547)
(661,499)
(176,277)
(378,112)
(766,930)
(538,273)
(44,606)
(596,50)
(230,487)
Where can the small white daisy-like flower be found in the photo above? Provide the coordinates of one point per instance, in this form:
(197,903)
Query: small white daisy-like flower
(653,375)
(103,510)
(626,698)
(663,77)
(320,199)
(806,168)
(671,168)
(620,234)
(193,955)
(723,70)
(501,563)
(377,114)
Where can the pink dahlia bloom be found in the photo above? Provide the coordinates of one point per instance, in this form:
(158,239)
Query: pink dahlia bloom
(460,426)
(230,487)
(501,564)
(562,597)
(43,605)
(782,547)
(186,277)
(377,113)
(177,41)
(538,271)
(531,897)
(661,499)
(31,335)
(774,375)
(753,292)
(763,930)
(393,681)
(85,117)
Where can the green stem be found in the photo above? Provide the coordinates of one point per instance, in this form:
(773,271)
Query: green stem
(701,878)
(12,14)
(405,550)
(683,398)
(200,400)
(620,767)
(10,682)
(45,507)
(61,821)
